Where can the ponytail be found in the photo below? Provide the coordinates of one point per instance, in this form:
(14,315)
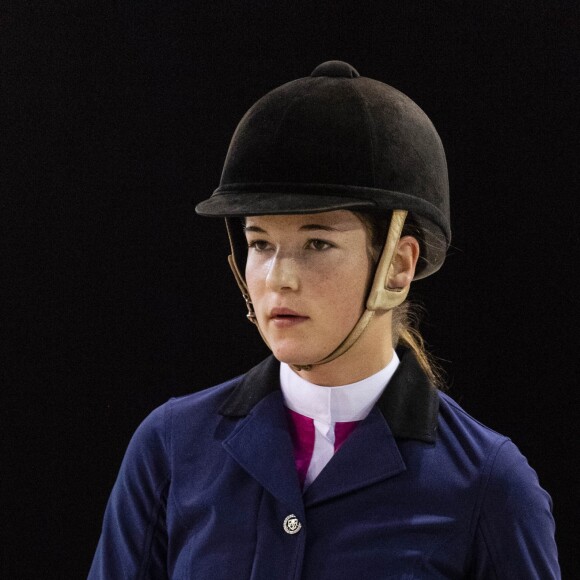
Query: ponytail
(406,318)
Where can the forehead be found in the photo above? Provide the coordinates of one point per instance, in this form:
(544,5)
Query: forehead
(339,220)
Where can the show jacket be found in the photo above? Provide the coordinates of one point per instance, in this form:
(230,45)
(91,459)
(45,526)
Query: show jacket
(419,490)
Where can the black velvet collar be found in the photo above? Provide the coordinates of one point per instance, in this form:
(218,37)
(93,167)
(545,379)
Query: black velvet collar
(410,404)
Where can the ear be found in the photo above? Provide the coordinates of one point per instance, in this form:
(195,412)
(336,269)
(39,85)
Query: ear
(404,262)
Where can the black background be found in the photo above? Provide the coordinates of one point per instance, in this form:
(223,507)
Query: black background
(116,117)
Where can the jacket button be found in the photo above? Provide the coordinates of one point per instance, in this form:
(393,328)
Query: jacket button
(292,524)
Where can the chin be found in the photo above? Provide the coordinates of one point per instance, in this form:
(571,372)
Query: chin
(294,355)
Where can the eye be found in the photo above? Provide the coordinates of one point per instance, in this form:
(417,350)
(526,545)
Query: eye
(259,245)
(319,245)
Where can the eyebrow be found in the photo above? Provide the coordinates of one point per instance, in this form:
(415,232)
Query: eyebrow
(305,228)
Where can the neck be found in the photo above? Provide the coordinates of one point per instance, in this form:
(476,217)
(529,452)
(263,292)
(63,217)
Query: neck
(368,355)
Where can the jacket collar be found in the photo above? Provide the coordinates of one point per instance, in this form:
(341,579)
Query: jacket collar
(410,404)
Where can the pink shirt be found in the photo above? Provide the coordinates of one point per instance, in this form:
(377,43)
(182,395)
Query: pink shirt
(321,418)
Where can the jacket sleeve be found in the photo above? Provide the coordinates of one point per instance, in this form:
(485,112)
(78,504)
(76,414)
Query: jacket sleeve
(514,538)
(133,542)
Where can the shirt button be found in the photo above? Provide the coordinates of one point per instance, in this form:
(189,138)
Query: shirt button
(292,524)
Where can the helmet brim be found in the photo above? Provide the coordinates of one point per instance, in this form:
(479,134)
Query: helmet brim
(239,204)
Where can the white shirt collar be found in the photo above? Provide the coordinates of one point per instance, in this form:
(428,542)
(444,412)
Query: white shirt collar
(334,404)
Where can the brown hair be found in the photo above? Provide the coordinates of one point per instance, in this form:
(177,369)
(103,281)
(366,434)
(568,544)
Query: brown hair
(407,316)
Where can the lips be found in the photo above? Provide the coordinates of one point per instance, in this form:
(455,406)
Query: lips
(284,317)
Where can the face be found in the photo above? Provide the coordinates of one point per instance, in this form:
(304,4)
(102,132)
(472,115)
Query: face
(307,276)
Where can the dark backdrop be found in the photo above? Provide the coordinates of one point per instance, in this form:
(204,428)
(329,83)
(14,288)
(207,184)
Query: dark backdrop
(116,117)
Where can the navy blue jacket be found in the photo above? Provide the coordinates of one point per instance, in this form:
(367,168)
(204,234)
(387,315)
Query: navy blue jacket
(419,490)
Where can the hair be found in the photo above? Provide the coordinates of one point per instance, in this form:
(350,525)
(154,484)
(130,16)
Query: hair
(407,316)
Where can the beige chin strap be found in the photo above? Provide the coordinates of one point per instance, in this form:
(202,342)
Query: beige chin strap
(380,298)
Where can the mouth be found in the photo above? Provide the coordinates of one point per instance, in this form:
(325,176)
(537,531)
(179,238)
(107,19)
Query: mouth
(284,317)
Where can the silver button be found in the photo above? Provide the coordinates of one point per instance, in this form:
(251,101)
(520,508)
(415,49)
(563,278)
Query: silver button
(292,524)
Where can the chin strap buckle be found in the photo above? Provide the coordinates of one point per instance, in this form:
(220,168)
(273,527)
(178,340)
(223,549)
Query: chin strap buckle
(302,367)
(251,315)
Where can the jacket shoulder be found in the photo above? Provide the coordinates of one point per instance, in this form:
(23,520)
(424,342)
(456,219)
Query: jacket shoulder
(456,420)
(209,399)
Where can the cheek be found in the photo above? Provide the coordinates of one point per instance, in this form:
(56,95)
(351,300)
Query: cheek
(349,297)
(345,286)
(253,274)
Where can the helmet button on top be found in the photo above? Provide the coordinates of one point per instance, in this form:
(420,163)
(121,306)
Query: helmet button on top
(335,68)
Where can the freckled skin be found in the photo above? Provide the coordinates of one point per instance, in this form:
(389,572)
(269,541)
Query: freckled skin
(322,276)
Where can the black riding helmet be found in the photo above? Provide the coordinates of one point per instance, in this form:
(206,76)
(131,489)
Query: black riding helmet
(336,140)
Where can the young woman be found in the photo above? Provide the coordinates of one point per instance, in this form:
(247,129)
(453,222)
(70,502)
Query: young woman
(337,457)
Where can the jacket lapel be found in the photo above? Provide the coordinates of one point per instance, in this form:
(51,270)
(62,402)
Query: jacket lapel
(369,455)
(261,444)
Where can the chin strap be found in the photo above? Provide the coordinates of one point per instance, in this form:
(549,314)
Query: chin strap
(251,315)
(380,298)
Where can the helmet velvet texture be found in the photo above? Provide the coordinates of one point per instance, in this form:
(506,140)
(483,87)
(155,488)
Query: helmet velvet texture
(336,140)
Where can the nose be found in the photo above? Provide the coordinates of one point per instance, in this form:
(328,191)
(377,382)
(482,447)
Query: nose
(283,274)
